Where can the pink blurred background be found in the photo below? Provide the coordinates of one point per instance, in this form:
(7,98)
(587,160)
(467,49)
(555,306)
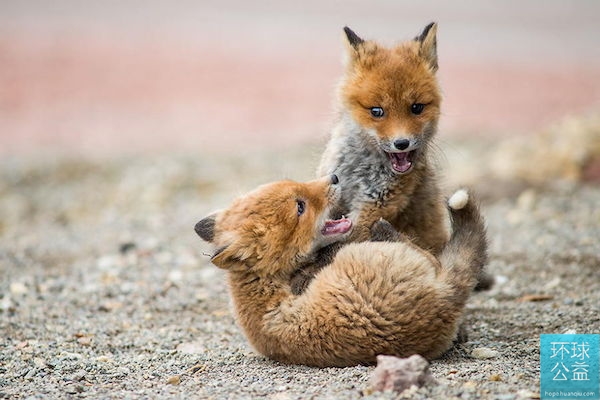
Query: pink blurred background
(122,77)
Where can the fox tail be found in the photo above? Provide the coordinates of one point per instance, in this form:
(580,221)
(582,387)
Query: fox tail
(465,255)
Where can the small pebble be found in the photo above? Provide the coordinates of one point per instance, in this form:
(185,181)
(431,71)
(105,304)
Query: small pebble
(18,288)
(110,305)
(39,362)
(507,396)
(6,303)
(79,375)
(196,368)
(469,385)
(500,280)
(553,283)
(202,295)
(175,275)
(191,348)
(70,356)
(31,373)
(104,359)
(74,389)
(527,394)
(174,380)
(483,353)
(106,262)
(85,341)
(526,200)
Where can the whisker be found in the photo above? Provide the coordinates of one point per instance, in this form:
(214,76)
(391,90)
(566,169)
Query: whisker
(438,156)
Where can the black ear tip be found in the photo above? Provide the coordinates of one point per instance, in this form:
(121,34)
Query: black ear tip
(425,32)
(353,38)
(428,27)
(205,228)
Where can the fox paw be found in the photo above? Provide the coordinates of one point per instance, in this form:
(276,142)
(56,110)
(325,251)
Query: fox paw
(383,231)
(300,282)
(485,281)
(462,335)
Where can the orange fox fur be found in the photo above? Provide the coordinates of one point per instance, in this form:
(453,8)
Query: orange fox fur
(374,298)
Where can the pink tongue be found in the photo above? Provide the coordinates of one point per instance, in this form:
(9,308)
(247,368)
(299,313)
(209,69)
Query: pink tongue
(336,226)
(400,162)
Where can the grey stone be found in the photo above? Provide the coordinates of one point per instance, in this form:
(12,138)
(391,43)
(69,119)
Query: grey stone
(399,374)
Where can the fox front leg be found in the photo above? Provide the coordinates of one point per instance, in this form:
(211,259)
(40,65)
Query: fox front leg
(305,274)
(383,231)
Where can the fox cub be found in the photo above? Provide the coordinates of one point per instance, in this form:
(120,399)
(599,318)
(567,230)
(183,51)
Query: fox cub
(385,296)
(389,107)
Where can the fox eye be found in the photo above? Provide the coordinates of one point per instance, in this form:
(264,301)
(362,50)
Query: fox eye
(377,112)
(417,108)
(301,206)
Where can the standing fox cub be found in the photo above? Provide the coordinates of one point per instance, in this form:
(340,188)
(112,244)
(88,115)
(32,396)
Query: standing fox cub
(386,296)
(379,148)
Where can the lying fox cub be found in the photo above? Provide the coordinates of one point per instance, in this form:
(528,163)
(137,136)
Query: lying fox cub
(386,296)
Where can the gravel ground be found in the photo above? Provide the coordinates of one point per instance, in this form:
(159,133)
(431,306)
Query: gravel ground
(106,292)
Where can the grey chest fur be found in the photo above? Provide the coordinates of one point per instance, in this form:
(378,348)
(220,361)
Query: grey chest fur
(364,173)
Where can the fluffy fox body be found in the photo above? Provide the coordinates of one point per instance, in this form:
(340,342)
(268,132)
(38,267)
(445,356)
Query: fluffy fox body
(389,106)
(386,296)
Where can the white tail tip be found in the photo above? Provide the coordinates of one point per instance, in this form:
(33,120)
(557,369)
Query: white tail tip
(459,199)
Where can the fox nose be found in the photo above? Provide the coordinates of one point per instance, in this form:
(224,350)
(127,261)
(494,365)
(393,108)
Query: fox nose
(401,144)
(334,179)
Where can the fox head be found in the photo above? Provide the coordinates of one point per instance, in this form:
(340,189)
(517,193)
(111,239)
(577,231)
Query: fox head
(274,228)
(392,95)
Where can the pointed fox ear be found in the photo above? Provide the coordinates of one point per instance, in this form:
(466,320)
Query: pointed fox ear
(353,44)
(233,257)
(224,257)
(428,45)
(353,39)
(205,228)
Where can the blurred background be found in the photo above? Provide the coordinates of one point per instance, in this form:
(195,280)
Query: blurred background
(129,77)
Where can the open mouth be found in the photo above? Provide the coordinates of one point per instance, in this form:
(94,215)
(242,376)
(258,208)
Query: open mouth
(402,162)
(336,226)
